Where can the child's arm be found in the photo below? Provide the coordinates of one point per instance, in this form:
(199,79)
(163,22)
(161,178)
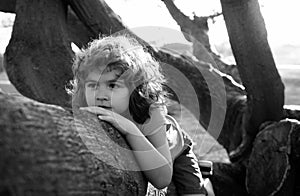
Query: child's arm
(153,154)
(154,157)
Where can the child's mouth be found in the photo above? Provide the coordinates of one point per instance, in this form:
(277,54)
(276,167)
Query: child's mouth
(105,107)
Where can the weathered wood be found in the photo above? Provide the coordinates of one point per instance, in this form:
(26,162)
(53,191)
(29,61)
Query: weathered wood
(270,170)
(38,56)
(265,90)
(48,150)
(45,150)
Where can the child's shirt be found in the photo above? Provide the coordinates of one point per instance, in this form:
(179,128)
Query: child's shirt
(178,139)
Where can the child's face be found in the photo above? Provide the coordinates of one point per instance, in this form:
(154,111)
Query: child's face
(107,91)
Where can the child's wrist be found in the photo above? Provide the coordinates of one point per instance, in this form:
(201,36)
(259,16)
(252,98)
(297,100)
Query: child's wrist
(133,134)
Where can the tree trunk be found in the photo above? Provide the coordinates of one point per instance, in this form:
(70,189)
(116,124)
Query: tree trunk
(45,150)
(265,90)
(38,56)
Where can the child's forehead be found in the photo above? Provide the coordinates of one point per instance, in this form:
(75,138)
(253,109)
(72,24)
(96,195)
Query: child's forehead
(109,74)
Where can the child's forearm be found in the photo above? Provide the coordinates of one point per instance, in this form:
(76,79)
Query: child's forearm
(152,161)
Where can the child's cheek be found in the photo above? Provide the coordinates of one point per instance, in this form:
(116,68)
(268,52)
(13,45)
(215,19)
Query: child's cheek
(90,98)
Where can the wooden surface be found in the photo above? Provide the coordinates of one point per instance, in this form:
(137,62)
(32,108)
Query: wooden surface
(45,152)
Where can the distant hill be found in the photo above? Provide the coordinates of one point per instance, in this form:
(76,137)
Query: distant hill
(284,54)
(178,48)
(287,54)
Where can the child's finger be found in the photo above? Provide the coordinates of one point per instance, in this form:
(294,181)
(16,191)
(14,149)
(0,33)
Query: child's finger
(105,118)
(95,110)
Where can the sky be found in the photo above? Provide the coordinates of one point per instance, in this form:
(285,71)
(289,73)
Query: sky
(281,16)
(151,19)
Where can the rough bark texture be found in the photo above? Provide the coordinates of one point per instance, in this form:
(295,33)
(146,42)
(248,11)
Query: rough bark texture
(44,151)
(38,56)
(265,90)
(273,165)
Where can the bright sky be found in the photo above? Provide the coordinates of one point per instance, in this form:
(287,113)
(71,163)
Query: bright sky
(281,17)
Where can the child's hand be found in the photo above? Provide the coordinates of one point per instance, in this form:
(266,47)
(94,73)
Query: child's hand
(121,123)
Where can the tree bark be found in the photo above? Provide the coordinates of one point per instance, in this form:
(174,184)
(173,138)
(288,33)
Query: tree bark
(274,161)
(38,56)
(46,150)
(265,90)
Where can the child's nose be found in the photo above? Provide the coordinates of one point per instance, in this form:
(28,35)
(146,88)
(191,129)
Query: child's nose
(102,94)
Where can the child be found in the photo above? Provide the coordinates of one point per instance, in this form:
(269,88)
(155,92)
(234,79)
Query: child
(121,83)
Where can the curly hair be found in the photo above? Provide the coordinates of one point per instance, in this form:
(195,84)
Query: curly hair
(140,71)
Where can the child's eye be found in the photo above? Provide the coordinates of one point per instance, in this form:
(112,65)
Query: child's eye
(91,85)
(113,85)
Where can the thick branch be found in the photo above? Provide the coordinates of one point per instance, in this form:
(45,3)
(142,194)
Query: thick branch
(45,150)
(191,29)
(248,38)
(38,56)
(196,31)
(97,16)
(77,31)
